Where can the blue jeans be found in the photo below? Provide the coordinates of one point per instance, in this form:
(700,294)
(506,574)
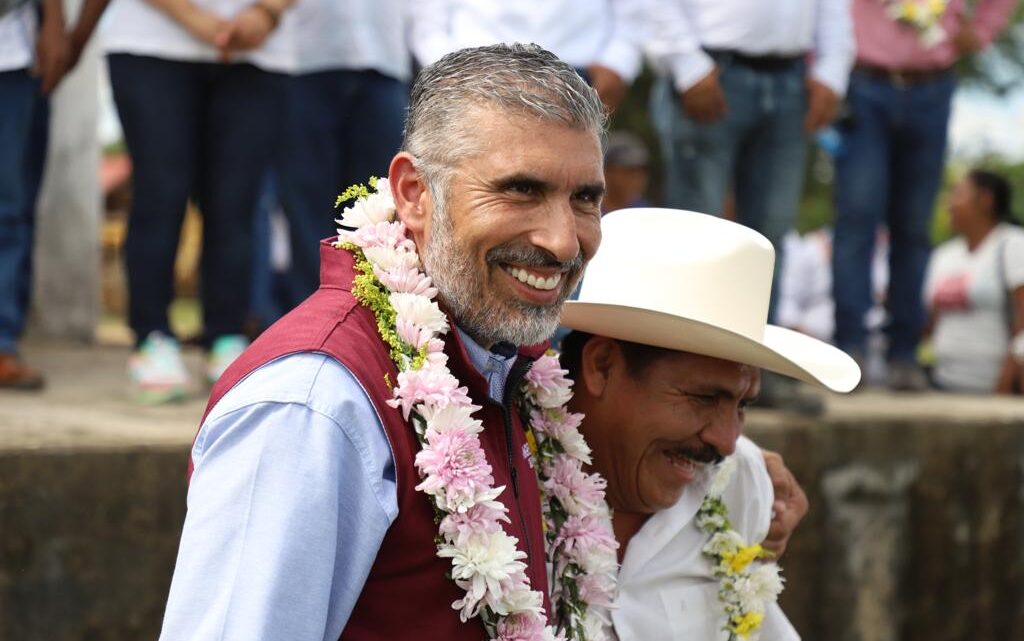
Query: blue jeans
(24,127)
(758,149)
(201,130)
(888,170)
(343,126)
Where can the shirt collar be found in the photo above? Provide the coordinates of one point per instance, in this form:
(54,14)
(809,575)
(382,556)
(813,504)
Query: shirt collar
(493,367)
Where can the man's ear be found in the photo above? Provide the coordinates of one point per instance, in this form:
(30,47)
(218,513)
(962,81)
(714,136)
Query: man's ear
(413,204)
(597,360)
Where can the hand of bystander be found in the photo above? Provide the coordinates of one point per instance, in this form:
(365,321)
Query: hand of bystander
(51,46)
(704,102)
(790,504)
(822,105)
(249,29)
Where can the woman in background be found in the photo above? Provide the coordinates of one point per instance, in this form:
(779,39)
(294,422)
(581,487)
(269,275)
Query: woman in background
(974,290)
(199,89)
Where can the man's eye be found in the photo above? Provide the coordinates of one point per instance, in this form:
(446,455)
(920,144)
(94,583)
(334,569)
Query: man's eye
(705,399)
(525,189)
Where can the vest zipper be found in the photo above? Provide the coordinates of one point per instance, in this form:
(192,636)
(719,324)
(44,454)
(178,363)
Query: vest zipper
(511,385)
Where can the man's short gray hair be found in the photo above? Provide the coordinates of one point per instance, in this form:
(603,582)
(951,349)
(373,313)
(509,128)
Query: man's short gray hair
(518,78)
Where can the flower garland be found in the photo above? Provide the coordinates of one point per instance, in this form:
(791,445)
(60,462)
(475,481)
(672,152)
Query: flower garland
(580,544)
(925,16)
(746,588)
(455,474)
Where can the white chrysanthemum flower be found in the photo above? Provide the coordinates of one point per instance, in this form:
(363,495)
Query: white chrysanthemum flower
(521,599)
(723,474)
(746,595)
(723,542)
(420,311)
(553,398)
(767,581)
(481,565)
(710,521)
(575,445)
(376,208)
(386,258)
(383,188)
(451,417)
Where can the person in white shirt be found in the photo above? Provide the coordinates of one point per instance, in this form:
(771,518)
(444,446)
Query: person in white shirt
(742,83)
(344,112)
(199,89)
(666,353)
(601,38)
(974,291)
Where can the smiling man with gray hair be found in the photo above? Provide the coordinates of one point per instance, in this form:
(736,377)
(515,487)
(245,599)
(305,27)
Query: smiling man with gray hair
(304,518)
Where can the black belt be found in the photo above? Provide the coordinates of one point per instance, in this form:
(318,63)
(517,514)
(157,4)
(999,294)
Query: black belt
(902,77)
(758,63)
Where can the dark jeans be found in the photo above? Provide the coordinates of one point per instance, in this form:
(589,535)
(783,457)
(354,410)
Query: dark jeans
(343,126)
(758,149)
(205,131)
(888,171)
(24,129)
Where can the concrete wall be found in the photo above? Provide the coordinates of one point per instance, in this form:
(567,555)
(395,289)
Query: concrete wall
(915,530)
(915,533)
(87,543)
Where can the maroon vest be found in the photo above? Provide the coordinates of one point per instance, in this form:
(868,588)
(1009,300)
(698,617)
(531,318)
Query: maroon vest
(408,594)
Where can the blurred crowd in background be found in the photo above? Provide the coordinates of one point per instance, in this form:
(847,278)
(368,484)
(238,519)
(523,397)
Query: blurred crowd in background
(243,120)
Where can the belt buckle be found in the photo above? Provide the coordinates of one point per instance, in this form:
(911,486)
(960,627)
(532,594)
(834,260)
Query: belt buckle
(898,79)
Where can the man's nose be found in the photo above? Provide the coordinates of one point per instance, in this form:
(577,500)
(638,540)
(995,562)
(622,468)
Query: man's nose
(556,232)
(724,431)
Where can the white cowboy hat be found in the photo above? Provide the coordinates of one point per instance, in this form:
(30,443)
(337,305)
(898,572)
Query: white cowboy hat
(695,283)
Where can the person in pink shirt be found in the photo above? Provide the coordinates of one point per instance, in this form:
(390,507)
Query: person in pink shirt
(888,169)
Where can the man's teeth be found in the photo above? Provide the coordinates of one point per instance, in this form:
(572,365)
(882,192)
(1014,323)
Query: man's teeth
(681,460)
(533,281)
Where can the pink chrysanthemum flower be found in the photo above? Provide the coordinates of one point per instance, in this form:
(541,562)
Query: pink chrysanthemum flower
(483,518)
(389,235)
(453,464)
(413,334)
(406,281)
(429,384)
(524,626)
(586,537)
(563,427)
(596,589)
(577,490)
(547,373)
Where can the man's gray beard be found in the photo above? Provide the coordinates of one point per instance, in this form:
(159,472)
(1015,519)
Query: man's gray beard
(478,312)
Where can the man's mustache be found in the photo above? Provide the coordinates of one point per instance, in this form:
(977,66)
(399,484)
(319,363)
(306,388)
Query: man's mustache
(529,256)
(706,454)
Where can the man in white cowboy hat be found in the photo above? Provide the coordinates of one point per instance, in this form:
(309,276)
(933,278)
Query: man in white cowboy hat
(669,338)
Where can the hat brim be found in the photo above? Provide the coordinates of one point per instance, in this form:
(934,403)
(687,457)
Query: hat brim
(782,350)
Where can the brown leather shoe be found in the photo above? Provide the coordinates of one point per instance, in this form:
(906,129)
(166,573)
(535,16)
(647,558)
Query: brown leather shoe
(16,375)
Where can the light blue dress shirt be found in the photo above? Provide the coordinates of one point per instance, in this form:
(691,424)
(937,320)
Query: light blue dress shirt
(292,495)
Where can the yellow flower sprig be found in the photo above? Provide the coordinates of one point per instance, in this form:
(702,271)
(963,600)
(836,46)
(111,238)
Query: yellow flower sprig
(746,587)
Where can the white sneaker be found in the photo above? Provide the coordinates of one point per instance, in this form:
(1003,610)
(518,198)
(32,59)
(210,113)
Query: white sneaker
(224,352)
(157,370)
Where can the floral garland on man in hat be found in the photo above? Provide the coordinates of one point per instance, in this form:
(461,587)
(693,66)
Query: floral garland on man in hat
(455,473)
(746,586)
